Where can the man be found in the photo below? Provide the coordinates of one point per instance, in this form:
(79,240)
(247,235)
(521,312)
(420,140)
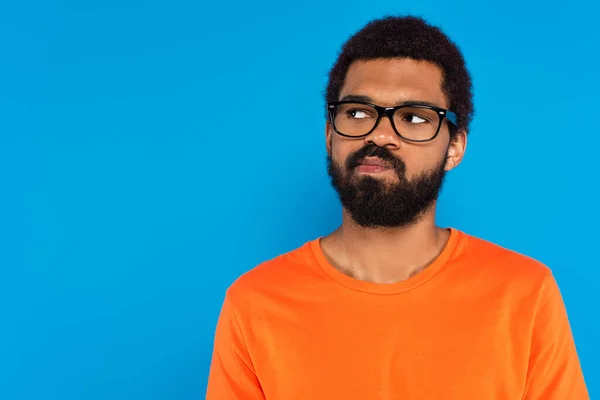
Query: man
(390,306)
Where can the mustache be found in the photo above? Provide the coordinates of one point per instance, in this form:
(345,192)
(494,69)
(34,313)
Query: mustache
(372,150)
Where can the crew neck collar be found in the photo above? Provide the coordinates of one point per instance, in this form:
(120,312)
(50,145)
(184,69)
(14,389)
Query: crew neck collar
(387,288)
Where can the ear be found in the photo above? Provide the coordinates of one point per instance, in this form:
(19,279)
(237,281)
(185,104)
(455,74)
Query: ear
(328,137)
(456,150)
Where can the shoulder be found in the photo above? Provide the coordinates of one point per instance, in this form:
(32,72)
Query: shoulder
(276,276)
(501,263)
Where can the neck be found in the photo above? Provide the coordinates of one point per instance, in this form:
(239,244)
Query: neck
(384,255)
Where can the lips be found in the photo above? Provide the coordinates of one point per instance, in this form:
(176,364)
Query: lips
(373,165)
(375,162)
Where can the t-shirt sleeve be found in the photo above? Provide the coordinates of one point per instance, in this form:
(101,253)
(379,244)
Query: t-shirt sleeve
(554,371)
(232,376)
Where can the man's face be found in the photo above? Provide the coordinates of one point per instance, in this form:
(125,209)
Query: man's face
(382,180)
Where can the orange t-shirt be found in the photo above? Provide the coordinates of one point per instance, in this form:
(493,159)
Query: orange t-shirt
(481,322)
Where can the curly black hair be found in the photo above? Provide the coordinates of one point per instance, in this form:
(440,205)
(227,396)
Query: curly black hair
(412,37)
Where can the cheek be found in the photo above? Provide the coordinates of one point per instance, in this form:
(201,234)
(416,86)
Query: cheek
(422,160)
(338,155)
(341,149)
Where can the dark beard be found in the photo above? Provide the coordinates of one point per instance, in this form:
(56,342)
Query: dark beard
(374,203)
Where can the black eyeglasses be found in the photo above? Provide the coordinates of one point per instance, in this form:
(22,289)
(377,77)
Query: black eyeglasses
(413,122)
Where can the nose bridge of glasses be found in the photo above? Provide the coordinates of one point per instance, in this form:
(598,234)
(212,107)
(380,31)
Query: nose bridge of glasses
(390,113)
(386,132)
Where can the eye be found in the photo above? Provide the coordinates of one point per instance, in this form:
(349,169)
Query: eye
(415,119)
(357,114)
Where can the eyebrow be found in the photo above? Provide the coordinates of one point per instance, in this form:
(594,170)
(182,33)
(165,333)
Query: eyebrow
(367,99)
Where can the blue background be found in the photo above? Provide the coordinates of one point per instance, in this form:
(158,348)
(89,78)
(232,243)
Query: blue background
(152,151)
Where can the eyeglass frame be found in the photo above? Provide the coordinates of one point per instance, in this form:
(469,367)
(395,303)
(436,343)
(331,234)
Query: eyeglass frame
(389,112)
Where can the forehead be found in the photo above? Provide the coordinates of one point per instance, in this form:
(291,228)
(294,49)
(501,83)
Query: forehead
(394,80)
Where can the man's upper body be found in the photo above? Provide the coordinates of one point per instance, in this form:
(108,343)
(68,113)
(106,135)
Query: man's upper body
(389,305)
(480,322)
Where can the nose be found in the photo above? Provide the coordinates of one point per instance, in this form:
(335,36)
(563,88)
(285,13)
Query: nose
(384,135)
